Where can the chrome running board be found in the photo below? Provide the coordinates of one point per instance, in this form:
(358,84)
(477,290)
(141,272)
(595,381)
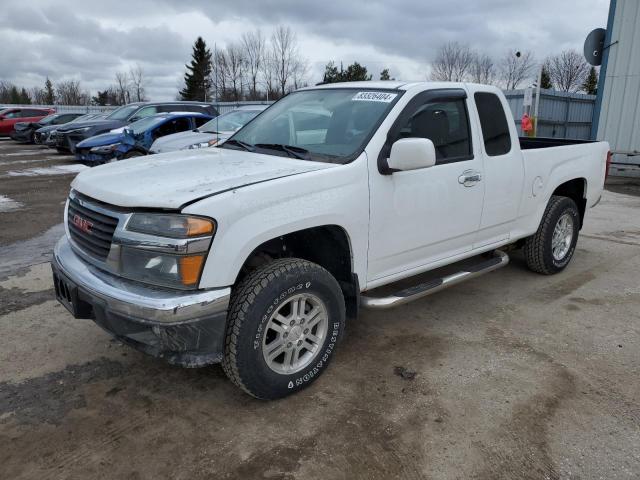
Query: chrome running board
(499,260)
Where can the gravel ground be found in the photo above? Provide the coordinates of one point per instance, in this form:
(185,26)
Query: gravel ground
(510,376)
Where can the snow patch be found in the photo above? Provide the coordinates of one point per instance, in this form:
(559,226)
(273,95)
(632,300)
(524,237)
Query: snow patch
(57,170)
(8,204)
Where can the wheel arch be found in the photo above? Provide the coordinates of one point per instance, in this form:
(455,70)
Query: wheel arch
(576,190)
(326,245)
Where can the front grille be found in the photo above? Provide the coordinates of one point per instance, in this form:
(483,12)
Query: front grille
(90,230)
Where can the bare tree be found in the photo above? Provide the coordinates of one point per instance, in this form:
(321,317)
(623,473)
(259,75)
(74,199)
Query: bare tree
(268,73)
(38,96)
(299,73)
(235,63)
(516,67)
(284,46)
(122,88)
(452,63)
(568,70)
(482,69)
(69,92)
(254,50)
(137,82)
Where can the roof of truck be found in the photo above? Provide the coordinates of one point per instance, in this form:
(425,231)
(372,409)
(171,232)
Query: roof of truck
(393,85)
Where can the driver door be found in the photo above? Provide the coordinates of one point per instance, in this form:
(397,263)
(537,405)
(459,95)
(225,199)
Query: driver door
(419,217)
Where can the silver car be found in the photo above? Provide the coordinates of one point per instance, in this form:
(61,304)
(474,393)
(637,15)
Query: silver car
(212,133)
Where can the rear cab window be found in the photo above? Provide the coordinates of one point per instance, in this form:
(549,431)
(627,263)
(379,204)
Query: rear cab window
(493,123)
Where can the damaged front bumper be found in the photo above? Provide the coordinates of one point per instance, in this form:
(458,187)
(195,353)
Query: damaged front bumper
(184,328)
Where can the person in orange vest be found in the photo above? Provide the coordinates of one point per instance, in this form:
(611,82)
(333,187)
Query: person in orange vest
(527,125)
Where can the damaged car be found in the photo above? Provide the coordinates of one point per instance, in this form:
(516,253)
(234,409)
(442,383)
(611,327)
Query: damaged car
(47,135)
(212,133)
(67,137)
(25,131)
(134,140)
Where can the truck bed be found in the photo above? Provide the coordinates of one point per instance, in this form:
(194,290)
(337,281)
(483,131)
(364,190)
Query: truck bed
(529,143)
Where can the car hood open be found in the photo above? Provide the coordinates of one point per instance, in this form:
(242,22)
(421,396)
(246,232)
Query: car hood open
(171,180)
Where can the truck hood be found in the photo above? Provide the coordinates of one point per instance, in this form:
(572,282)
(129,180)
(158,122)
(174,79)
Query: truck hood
(171,180)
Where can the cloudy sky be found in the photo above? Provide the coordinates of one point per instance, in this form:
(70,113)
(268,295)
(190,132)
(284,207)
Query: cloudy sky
(90,40)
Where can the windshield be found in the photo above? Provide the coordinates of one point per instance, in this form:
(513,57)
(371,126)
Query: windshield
(145,124)
(48,119)
(123,113)
(229,122)
(330,125)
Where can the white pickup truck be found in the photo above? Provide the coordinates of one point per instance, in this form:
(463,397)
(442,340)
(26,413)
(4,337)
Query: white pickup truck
(255,253)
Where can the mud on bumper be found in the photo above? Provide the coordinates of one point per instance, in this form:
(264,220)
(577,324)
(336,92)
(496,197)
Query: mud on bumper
(184,328)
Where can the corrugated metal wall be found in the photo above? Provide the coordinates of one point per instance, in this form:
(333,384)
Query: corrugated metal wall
(562,115)
(619,119)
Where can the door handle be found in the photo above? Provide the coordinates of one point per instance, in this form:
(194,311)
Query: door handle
(469,178)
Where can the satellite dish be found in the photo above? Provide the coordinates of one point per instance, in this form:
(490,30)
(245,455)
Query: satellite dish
(594,45)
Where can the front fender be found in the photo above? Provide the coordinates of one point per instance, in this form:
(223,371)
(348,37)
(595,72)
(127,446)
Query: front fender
(252,215)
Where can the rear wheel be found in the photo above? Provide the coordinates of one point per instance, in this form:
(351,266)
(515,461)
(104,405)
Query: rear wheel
(551,248)
(284,322)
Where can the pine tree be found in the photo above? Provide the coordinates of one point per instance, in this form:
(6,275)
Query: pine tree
(49,92)
(545,80)
(355,73)
(384,74)
(25,99)
(590,85)
(331,73)
(197,79)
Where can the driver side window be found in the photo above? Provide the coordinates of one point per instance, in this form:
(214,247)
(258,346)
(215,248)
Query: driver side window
(446,124)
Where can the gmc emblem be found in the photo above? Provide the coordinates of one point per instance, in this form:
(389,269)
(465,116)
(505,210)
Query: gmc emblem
(82,224)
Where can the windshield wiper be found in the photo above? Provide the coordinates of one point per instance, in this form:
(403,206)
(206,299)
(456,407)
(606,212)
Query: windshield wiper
(247,146)
(293,151)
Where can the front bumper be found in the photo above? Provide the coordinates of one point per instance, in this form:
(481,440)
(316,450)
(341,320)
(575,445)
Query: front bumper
(21,135)
(184,328)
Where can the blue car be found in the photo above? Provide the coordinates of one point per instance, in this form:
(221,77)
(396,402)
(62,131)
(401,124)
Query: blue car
(135,139)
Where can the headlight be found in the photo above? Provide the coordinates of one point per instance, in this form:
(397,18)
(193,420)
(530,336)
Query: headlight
(170,225)
(210,143)
(79,130)
(105,148)
(177,271)
(165,249)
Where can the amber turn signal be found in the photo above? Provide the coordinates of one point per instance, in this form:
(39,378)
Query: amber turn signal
(190,268)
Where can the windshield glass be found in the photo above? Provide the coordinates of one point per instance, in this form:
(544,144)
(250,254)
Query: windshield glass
(48,119)
(330,125)
(145,124)
(123,113)
(229,122)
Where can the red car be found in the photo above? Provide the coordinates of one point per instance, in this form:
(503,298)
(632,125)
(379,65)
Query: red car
(10,116)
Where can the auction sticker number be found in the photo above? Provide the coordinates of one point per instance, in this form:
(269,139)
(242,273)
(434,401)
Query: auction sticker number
(383,97)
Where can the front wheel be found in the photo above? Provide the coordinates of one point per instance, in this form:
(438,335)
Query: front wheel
(284,322)
(551,248)
(132,154)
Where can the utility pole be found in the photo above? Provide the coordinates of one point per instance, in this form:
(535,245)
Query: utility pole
(535,111)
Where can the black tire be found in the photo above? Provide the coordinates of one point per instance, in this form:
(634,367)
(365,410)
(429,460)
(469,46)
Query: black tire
(259,296)
(133,154)
(538,250)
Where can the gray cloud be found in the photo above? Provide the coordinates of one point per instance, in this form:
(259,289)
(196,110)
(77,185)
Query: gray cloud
(90,41)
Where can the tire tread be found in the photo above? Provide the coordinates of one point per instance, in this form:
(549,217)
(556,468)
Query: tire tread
(243,298)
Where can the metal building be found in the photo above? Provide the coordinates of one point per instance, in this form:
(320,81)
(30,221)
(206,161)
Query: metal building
(617,114)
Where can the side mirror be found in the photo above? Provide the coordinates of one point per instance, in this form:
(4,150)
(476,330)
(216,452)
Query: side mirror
(412,154)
